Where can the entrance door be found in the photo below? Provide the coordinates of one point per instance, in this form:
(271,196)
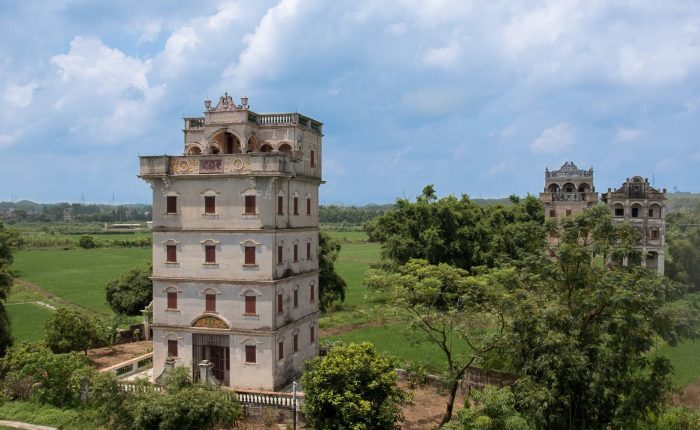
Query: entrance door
(214,348)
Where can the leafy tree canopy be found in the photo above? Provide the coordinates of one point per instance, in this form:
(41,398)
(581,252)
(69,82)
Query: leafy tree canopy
(68,330)
(492,408)
(331,285)
(131,292)
(9,241)
(352,387)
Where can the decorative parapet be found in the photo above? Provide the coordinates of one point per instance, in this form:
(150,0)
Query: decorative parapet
(261,164)
(245,116)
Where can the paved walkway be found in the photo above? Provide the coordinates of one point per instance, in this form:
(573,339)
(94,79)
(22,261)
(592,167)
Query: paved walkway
(19,425)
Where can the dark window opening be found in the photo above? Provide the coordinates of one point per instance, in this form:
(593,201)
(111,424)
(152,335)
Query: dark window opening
(280,205)
(619,211)
(250,305)
(308,206)
(296,343)
(279,254)
(313,158)
(280,303)
(308,250)
(210,254)
(635,212)
(171,253)
(312,293)
(172,300)
(296,298)
(280,350)
(552,213)
(171,204)
(250,354)
(296,252)
(210,303)
(249,255)
(312,334)
(250,204)
(172,348)
(296,205)
(209,204)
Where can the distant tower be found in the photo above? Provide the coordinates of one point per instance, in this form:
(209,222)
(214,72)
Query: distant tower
(235,245)
(644,207)
(567,191)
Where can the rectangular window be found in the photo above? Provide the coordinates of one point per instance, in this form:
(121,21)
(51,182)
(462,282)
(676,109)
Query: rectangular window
(210,303)
(651,213)
(250,305)
(280,350)
(296,298)
(280,303)
(313,158)
(312,334)
(172,300)
(296,205)
(171,204)
(312,293)
(210,253)
(635,212)
(619,212)
(654,234)
(308,250)
(568,212)
(250,204)
(296,342)
(552,213)
(250,354)
(280,205)
(209,204)
(172,348)
(279,254)
(308,206)
(296,252)
(249,255)
(171,253)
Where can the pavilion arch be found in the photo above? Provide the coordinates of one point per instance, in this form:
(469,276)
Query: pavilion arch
(223,140)
(636,210)
(654,210)
(194,149)
(553,188)
(584,187)
(569,188)
(652,260)
(252,143)
(285,147)
(618,210)
(265,147)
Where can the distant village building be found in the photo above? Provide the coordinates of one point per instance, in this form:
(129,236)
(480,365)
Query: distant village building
(235,246)
(68,214)
(570,190)
(644,207)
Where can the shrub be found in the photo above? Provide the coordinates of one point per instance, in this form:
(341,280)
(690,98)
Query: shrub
(131,292)
(68,330)
(88,242)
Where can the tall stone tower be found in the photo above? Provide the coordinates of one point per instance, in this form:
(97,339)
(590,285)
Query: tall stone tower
(235,245)
(567,191)
(644,207)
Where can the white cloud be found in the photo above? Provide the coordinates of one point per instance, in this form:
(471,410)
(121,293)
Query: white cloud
(20,96)
(445,57)
(105,70)
(7,139)
(499,167)
(555,139)
(628,134)
(150,31)
(657,66)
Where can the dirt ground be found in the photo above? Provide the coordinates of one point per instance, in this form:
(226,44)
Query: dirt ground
(689,397)
(109,356)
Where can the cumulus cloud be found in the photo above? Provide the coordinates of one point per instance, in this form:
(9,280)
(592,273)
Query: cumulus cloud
(19,95)
(624,134)
(444,57)
(555,139)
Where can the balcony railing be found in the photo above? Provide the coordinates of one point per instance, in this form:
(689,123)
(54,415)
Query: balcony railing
(262,120)
(571,197)
(228,164)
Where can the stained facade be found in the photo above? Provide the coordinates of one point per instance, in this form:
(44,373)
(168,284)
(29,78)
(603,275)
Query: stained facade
(235,245)
(570,190)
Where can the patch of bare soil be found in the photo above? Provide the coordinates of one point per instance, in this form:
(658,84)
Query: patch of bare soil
(689,397)
(115,354)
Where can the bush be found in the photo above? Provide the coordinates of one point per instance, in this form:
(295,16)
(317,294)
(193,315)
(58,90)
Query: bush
(68,330)
(88,242)
(132,292)
(352,387)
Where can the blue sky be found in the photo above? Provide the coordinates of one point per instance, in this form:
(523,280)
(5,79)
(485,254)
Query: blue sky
(475,97)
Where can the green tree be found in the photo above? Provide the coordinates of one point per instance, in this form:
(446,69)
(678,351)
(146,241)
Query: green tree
(492,409)
(9,241)
(352,387)
(131,292)
(580,333)
(463,315)
(68,330)
(87,242)
(683,239)
(331,285)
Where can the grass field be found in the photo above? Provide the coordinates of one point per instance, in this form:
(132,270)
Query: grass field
(78,275)
(28,320)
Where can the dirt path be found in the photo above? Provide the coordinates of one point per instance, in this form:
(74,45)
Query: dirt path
(109,356)
(50,296)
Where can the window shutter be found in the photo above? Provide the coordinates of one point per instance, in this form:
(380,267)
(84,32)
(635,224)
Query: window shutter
(171,204)
(308,250)
(171,254)
(296,342)
(313,158)
(308,206)
(280,205)
(280,349)
(296,298)
(172,300)
(280,298)
(279,254)
(249,255)
(209,204)
(210,303)
(172,348)
(250,204)
(210,254)
(250,354)
(250,305)
(552,213)
(296,205)
(296,252)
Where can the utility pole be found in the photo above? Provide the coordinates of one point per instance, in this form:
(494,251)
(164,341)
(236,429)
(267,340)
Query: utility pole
(294,403)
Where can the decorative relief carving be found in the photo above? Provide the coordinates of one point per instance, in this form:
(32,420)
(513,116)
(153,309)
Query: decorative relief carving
(211,166)
(210,321)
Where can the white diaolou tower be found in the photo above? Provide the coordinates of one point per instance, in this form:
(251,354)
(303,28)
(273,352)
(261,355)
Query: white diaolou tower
(235,245)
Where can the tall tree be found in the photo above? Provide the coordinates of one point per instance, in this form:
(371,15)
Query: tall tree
(331,285)
(68,330)
(131,292)
(9,241)
(464,316)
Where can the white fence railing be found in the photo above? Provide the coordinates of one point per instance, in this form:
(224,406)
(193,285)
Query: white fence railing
(135,365)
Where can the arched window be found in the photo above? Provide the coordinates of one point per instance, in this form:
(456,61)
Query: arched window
(636,210)
(286,148)
(194,150)
(266,147)
(553,188)
(618,210)
(252,143)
